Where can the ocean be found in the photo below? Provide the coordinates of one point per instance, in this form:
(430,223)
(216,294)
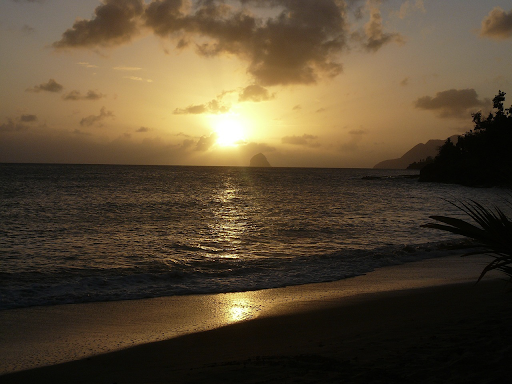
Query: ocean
(83,233)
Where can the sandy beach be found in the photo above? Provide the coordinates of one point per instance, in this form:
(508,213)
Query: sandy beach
(420,322)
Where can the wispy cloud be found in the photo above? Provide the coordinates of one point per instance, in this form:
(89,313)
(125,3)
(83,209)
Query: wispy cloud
(136,78)
(213,107)
(87,65)
(375,37)
(96,119)
(127,69)
(76,95)
(304,140)
(50,86)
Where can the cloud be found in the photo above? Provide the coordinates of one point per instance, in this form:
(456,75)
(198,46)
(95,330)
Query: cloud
(298,44)
(142,129)
(115,22)
(255,93)
(127,68)
(497,24)
(304,140)
(27,30)
(356,136)
(18,123)
(28,118)
(94,120)
(29,1)
(282,42)
(298,107)
(407,8)
(453,103)
(375,37)
(76,95)
(136,78)
(87,65)
(404,82)
(206,142)
(214,107)
(50,86)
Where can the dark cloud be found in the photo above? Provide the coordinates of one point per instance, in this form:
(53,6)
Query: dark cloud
(375,37)
(115,22)
(295,42)
(29,1)
(12,126)
(206,142)
(304,140)
(27,30)
(96,119)
(76,95)
(28,118)
(497,24)
(187,143)
(355,138)
(299,44)
(142,130)
(18,124)
(50,86)
(255,93)
(453,103)
(214,107)
(298,107)
(404,82)
(252,148)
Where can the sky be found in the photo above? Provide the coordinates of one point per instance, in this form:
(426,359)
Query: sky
(308,83)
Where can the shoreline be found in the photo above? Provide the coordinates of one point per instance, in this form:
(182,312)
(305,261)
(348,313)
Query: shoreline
(188,328)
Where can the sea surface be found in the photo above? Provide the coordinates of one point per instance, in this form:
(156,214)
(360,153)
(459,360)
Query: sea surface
(82,233)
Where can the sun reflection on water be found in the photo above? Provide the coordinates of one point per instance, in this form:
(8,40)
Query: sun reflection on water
(230,219)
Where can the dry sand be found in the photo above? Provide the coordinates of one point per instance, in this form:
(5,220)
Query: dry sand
(423,322)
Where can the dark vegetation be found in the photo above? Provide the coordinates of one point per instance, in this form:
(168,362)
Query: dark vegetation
(491,236)
(421,164)
(480,157)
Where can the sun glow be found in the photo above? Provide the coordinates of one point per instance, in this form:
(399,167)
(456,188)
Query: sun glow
(229,130)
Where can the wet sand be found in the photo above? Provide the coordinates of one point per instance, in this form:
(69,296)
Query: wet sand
(420,322)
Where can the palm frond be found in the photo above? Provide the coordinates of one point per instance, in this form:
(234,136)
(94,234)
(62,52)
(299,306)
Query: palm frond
(492,235)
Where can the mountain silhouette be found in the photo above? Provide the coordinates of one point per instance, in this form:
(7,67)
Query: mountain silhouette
(415,154)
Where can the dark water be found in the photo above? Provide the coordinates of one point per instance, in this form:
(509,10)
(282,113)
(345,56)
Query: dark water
(77,233)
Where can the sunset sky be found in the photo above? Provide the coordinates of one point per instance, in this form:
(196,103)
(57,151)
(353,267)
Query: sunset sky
(309,83)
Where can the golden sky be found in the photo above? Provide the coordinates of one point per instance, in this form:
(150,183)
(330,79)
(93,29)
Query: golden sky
(309,83)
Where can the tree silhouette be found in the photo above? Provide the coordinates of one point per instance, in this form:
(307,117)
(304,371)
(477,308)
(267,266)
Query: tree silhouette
(482,156)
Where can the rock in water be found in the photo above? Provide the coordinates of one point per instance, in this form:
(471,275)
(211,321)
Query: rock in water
(259,160)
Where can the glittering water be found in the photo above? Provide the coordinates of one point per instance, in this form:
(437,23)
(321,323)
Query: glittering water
(77,233)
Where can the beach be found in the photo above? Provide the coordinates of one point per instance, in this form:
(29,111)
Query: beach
(424,321)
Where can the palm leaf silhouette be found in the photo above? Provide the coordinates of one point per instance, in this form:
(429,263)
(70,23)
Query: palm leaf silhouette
(491,235)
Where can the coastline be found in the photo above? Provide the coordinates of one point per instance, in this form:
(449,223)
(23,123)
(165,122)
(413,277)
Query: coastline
(187,338)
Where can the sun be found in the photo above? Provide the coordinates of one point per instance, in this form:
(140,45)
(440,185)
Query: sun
(229,130)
